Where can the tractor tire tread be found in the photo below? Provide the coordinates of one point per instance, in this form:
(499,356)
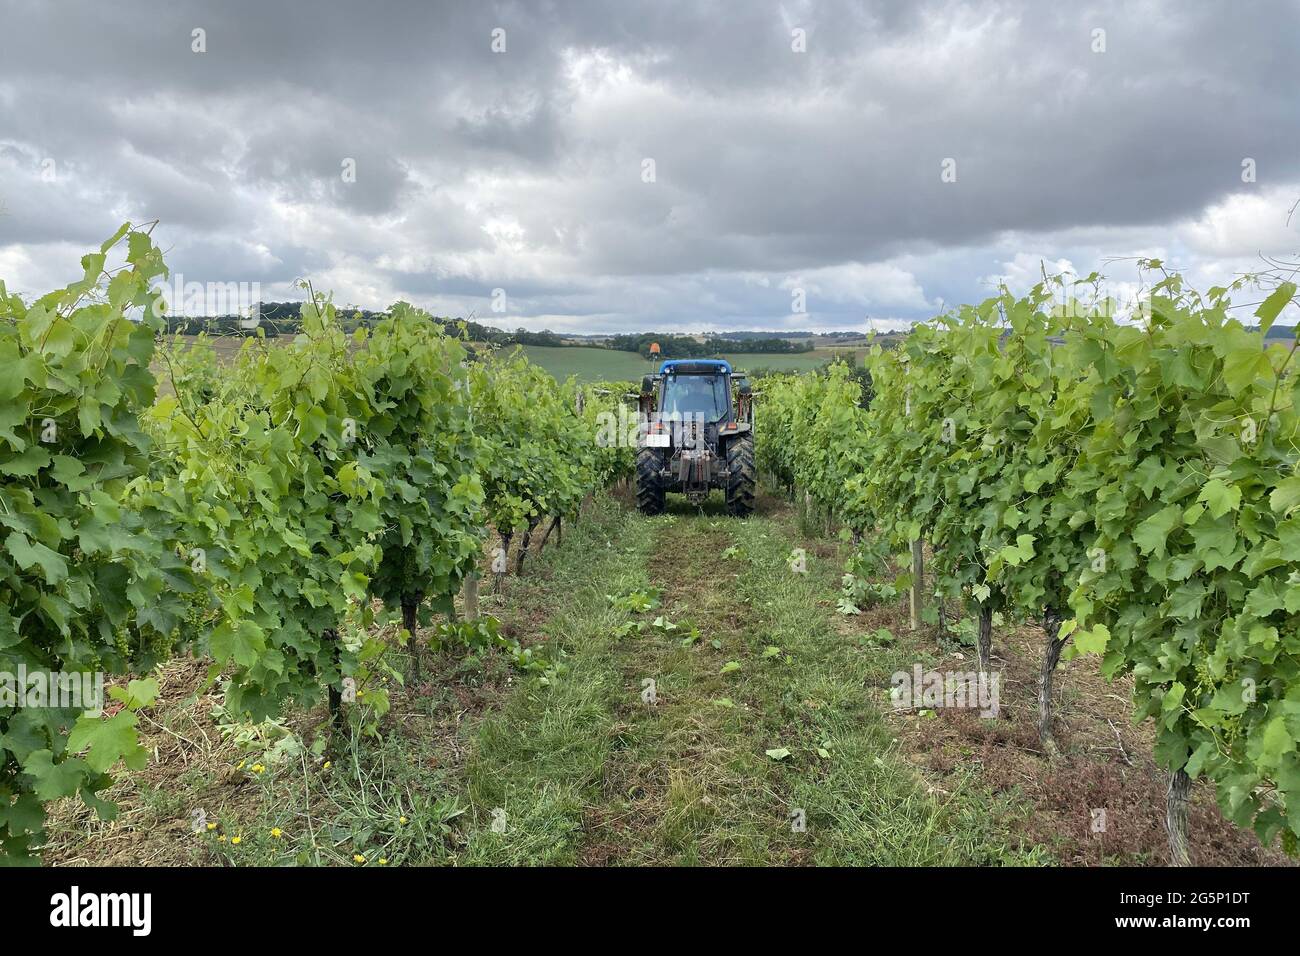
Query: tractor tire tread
(742,476)
(649,488)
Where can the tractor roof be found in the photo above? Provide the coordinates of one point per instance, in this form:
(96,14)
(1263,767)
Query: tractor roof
(695,367)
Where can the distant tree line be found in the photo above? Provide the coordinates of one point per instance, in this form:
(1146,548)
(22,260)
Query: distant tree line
(285,318)
(687,346)
(524,337)
(809,336)
(1277,331)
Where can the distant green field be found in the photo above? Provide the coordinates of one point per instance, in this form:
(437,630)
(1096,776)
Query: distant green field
(604,365)
(592,364)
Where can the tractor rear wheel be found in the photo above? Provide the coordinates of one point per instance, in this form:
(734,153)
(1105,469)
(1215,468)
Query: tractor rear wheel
(741,476)
(649,489)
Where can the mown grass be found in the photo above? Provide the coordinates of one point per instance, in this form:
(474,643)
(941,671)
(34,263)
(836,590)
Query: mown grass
(824,701)
(688,783)
(540,758)
(597,775)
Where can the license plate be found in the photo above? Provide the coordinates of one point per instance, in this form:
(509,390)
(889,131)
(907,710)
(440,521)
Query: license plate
(656,441)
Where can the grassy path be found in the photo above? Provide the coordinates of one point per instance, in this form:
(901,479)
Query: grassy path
(764,744)
(688,781)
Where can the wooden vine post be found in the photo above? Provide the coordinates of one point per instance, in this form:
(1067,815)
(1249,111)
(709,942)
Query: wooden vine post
(470,595)
(918,559)
(409,618)
(500,562)
(546,535)
(917,600)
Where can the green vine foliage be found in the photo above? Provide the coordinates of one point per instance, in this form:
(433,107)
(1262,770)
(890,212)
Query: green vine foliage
(1189,478)
(540,455)
(278,510)
(1140,475)
(809,426)
(421,441)
(973,446)
(189,368)
(776,401)
(83,585)
(605,460)
(250,511)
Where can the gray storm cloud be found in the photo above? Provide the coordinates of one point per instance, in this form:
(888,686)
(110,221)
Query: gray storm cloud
(524,169)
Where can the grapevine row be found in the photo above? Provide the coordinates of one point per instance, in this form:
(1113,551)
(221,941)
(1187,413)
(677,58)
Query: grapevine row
(1129,485)
(253,515)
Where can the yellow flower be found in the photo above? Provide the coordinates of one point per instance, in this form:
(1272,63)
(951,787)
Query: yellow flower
(358,858)
(212,826)
(258,768)
(327,764)
(383,861)
(240,765)
(277,832)
(222,838)
(235,841)
(402,820)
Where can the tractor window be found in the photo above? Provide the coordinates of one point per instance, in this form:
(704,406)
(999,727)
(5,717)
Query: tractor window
(704,395)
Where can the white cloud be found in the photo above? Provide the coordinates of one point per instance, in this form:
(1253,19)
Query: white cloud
(1025,270)
(870,285)
(1247,223)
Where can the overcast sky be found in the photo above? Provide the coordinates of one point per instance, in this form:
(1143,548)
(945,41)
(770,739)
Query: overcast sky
(775,168)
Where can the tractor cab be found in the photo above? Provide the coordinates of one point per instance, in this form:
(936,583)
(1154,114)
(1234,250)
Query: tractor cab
(689,391)
(696,434)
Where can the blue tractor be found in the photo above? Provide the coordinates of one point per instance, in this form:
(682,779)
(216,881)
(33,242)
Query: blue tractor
(697,434)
